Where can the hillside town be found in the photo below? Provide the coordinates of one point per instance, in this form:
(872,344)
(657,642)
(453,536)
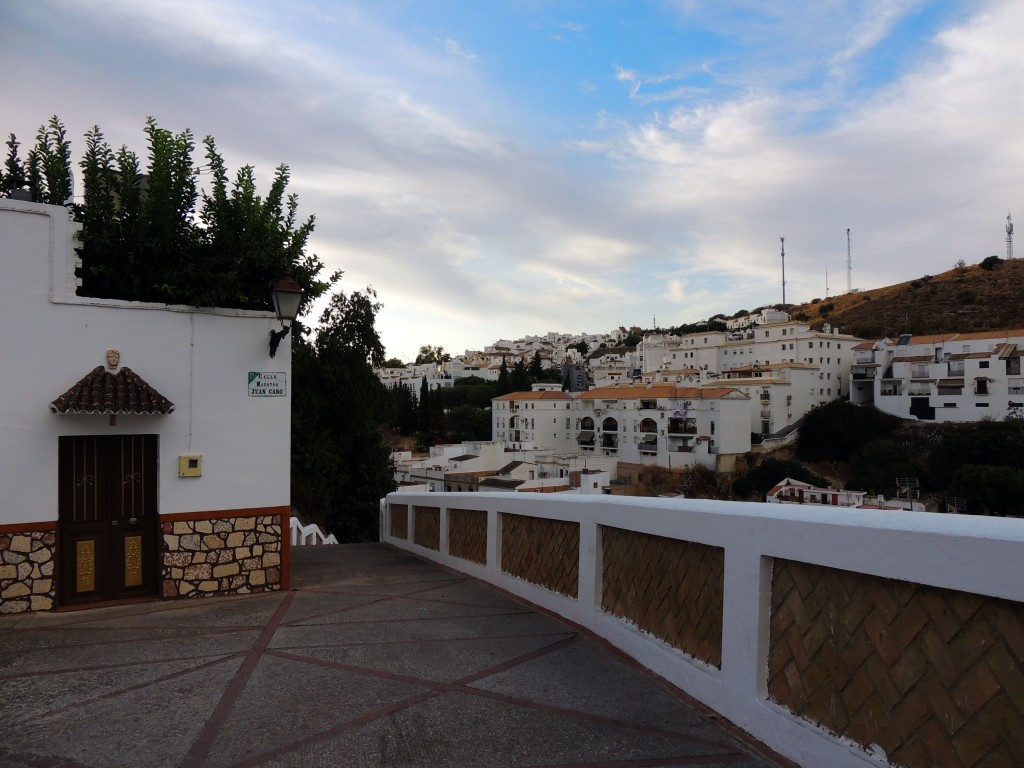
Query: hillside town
(709,399)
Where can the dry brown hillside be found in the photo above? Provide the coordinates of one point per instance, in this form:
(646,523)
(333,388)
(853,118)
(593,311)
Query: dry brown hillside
(969,298)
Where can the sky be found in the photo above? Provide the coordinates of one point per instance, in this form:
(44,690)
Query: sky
(498,168)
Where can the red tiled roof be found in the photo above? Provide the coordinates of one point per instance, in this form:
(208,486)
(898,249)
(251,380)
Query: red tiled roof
(100,391)
(546,395)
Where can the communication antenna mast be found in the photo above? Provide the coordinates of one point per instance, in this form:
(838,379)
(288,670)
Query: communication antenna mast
(849,264)
(826,282)
(1009,236)
(782,240)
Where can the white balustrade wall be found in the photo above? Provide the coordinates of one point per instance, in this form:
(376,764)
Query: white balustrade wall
(976,555)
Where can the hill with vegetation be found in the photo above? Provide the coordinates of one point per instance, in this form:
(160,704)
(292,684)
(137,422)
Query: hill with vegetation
(967,298)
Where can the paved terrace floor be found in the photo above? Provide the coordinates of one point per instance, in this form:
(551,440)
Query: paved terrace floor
(375,658)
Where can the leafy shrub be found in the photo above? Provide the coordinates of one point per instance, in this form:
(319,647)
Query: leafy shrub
(991,262)
(966,296)
(836,430)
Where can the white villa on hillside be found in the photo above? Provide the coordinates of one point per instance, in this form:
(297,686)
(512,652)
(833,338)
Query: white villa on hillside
(942,377)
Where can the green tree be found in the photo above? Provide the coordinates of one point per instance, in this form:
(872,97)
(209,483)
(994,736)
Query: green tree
(504,380)
(520,378)
(582,347)
(393,362)
(424,407)
(536,370)
(406,419)
(989,490)
(12,175)
(875,467)
(341,467)
(429,354)
(836,430)
(466,422)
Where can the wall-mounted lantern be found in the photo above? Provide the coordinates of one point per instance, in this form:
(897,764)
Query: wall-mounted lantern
(287,295)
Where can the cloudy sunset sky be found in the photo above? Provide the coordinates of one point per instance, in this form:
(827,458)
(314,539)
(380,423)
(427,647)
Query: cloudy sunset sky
(495,168)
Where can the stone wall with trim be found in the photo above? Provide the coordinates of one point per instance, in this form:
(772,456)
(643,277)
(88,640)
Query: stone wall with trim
(26,571)
(223,556)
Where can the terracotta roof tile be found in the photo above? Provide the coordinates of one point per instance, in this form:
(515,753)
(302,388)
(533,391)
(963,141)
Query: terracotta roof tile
(100,391)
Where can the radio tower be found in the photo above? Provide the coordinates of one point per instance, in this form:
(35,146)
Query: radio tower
(782,240)
(849,264)
(1009,236)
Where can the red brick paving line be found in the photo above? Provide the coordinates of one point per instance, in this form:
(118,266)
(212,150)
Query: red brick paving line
(142,609)
(349,593)
(75,670)
(358,722)
(138,686)
(462,685)
(179,635)
(414,641)
(201,747)
(337,730)
(698,706)
(354,622)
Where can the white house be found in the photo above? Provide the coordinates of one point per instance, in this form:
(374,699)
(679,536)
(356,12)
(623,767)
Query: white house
(144,449)
(954,377)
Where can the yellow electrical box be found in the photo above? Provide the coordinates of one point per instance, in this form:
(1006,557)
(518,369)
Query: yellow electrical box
(190,466)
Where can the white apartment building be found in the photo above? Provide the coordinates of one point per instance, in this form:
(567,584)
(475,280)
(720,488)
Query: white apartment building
(663,424)
(797,367)
(954,377)
(538,419)
(657,424)
(780,394)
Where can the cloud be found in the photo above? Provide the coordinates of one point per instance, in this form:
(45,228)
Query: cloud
(454,48)
(441,185)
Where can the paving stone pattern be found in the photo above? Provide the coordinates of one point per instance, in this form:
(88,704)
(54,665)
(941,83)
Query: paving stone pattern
(26,571)
(542,551)
(467,534)
(933,676)
(232,555)
(375,658)
(427,527)
(670,588)
(400,521)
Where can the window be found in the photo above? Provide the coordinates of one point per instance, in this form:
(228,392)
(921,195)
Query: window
(712,427)
(983,364)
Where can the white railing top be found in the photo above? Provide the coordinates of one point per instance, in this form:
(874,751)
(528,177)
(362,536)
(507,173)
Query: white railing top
(962,552)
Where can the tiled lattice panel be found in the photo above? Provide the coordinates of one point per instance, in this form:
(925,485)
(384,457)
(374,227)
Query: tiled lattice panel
(400,521)
(670,588)
(545,552)
(426,527)
(933,676)
(467,534)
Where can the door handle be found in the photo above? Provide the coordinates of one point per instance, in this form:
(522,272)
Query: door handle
(133,520)
(113,522)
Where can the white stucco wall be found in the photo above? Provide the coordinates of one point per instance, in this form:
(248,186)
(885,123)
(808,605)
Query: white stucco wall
(198,359)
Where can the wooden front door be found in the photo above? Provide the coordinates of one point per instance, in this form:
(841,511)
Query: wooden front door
(107,503)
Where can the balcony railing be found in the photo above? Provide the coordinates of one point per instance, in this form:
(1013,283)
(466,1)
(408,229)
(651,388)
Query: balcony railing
(776,595)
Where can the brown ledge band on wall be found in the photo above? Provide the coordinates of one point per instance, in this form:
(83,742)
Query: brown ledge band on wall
(50,525)
(218,514)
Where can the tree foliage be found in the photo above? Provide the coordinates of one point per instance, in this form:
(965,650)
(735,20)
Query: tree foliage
(757,481)
(836,430)
(341,467)
(145,236)
(429,354)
